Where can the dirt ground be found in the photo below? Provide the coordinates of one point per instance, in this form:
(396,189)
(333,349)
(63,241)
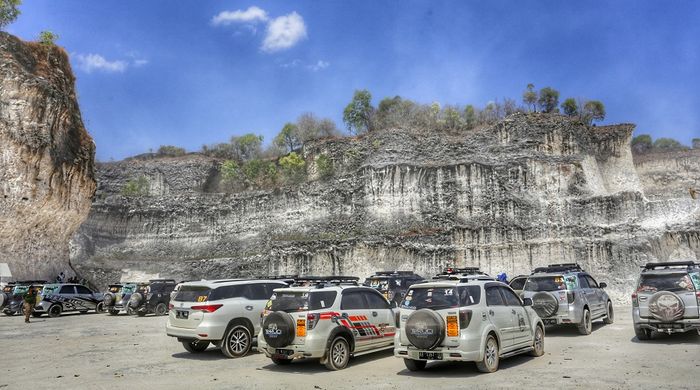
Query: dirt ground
(95,351)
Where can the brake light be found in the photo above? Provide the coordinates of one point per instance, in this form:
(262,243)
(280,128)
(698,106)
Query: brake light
(697,296)
(301,328)
(635,302)
(465,317)
(207,308)
(312,320)
(570,296)
(452,326)
(170,306)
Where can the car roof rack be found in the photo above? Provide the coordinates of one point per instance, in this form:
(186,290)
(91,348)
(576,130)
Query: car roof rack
(29,282)
(322,281)
(671,264)
(162,281)
(562,267)
(394,273)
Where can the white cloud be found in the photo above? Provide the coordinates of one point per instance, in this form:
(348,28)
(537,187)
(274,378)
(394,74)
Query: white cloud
(284,32)
(320,65)
(251,15)
(138,63)
(293,64)
(95,62)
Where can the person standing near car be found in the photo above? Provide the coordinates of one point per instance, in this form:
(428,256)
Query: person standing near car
(29,302)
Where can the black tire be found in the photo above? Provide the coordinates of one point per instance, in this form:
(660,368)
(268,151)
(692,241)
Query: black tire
(586,325)
(642,334)
(237,342)
(141,313)
(538,342)
(195,346)
(161,309)
(55,310)
(425,329)
(610,316)
(489,363)
(130,311)
(415,365)
(338,354)
(36,314)
(281,361)
(100,308)
(113,312)
(279,329)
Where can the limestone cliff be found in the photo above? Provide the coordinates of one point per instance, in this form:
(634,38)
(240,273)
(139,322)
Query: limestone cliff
(527,191)
(47,175)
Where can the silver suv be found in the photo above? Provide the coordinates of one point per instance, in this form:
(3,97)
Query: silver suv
(331,318)
(667,299)
(223,312)
(566,294)
(466,318)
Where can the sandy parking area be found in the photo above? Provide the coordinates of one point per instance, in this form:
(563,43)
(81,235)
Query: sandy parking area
(94,351)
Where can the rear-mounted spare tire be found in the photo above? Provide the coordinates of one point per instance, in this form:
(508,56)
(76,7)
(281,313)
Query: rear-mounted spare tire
(135,300)
(666,306)
(425,329)
(108,299)
(278,329)
(545,304)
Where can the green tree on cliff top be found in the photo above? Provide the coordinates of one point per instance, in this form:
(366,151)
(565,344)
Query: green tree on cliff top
(9,11)
(358,113)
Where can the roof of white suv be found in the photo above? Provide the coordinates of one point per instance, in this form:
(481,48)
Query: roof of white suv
(221,282)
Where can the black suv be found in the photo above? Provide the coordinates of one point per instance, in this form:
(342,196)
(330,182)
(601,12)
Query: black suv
(15,303)
(393,284)
(152,297)
(6,294)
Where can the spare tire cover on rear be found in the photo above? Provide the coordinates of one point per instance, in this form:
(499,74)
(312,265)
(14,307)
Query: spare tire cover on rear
(278,329)
(425,329)
(666,306)
(108,299)
(3,299)
(135,299)
(545,304)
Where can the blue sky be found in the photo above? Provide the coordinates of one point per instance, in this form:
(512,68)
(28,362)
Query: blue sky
(196,72)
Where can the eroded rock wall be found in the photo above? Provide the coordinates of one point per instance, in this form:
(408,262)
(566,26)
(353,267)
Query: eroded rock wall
(46,160)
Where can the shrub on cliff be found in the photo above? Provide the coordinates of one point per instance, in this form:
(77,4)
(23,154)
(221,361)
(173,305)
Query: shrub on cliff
(136,187)
(294,167)
(358,113)
(324,165)
(665,144)
(171,151)
(530,97)
(548,99)
(288,138)
(9,12)
(48,38)
(593,110)
(260,173)
(642,143)
(570,107)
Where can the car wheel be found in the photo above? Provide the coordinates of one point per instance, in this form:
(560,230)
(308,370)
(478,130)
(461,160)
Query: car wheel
(414,365)
(236,342)
(100,308)
(195,346)
(281,361)
(610,316)
(586,325)
(642,334)
(538,342)
(338,354)
(55,310)
(113,312)
(161,309)
(489,363)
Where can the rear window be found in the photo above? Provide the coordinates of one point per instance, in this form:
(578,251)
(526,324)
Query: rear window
(382,284)
(551,283)
(193,294)
(293,301)
(517,284)
(441,297)
(666,282)
(114,289)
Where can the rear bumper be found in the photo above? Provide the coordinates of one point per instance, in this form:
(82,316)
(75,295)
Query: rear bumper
(572,315)
(469,349)
(313,347)
(680,326)
(201,332)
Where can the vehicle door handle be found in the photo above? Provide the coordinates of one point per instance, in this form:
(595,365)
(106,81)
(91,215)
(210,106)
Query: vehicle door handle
(374,314)
(513,311)
(642,298)
(490,312)
(249,308)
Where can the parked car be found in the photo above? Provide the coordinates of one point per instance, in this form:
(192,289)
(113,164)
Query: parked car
(6,294)
(152,297)
(566,294)
(225,313)
(393,284)
(61,298)
(15,304)
(667,299)
(331,318)
(466,319)
(465,272)
(518,283)
(116,299)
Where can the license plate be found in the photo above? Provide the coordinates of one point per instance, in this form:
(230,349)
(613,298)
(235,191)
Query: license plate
(182,314)
(284,352)
(549,321)
(430,355)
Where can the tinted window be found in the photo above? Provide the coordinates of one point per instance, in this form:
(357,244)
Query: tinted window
(353,301)
(193,294)
(550,283)
(591,281)
(292,301)
(493,297)
(376,301)
(257,292)
(583,282)
(270,288)
(431,297)
(518,284)
(67,290)
(665,282)
(511,298)
(470,295)
(227,292)
(83,290)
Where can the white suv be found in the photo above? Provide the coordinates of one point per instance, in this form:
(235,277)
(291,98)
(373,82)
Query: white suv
(331,318)
(466,319)
(223,312)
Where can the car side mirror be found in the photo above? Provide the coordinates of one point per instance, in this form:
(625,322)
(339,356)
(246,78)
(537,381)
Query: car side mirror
(603,285)
(527,301)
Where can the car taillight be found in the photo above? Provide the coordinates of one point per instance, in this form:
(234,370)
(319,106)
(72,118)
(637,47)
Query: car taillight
(570,296)
(207,308)
(301,328)
(312,320)
(697,296)
(465,317)
(635,302)
(170,306)
(452,326)
(397,318)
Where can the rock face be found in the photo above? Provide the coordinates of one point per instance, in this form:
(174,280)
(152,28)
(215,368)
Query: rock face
(47,175)
(528,191)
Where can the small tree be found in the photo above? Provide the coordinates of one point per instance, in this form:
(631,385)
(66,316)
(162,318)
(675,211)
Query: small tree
(247,146)
(530,97)
(358,113)
(48,38)
(642,143)
(667,144)
(324,165)
(469,117)
(593,110)
(570,107)
(293,166)
(288,138)
(171,151)
(548,99)
(9,12)
(136,187)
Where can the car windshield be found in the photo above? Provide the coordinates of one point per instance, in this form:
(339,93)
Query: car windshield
(129,288)
(666,282)
(293,301)
(550,283)
(381,284)
(437,298)
(193,294)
